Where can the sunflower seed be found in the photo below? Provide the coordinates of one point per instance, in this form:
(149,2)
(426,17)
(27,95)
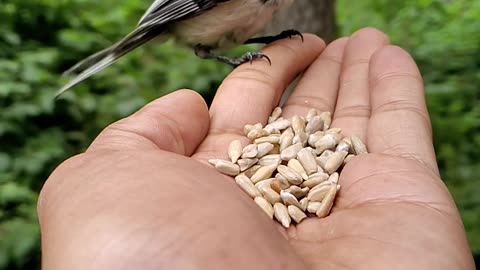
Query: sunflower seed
(281,214)
(297,191)
(327,119)
(311,113)
(280,124)
(275,114)
(291,151)
(276,185)
(247,186)
(246,163)
(272,138)
(345,144)
(263,173)
(298,124)
(251,171)
(268,193)
(313,207)
(313,138)
(286,139)
(304,203)
(328,141)
(323,158)
(314,124)
(250,151)
(333,179)
(348,158)
(315,179)
(289,199)
(235,150)
(257,133)
(282,180)
(318,193)
(327,202)
(297,167)
(292,177)
(265,206)
(358,146)
(270,159)
(335,161)
(263,149)
(307,160)
(227,167)
(296,213)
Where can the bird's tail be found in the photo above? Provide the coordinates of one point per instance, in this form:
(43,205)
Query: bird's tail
(100,60)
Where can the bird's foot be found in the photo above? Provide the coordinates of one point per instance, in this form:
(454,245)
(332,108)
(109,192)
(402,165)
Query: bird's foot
(269,39)
(204,52)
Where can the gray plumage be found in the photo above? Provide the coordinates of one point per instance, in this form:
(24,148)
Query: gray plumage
(212,24)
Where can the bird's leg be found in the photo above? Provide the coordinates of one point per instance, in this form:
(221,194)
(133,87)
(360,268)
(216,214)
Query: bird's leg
(269,39)
(205,53)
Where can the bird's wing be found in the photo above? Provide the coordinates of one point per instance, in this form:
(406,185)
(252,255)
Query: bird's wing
(152,23)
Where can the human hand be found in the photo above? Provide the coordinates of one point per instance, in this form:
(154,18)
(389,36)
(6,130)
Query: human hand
(143,196)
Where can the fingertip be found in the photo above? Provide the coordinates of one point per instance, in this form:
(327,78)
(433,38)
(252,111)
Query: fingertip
(390,60)
(371,34)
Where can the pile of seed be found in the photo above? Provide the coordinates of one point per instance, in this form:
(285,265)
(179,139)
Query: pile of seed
(291,169)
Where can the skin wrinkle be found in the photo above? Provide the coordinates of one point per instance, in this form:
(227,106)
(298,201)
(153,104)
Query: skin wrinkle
(402,106)
(355,111)
(374,81)
(317,102)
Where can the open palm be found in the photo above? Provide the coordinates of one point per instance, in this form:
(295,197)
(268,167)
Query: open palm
(144,197)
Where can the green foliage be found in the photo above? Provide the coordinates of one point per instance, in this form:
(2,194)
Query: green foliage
(39,39)
(444,39)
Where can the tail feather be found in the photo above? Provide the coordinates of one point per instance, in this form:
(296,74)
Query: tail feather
(100,60)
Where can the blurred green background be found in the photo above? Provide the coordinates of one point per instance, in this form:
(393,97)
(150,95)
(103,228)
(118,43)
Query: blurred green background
(41,38)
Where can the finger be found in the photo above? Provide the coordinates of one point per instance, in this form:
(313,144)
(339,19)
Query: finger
(400,124)
(177,123)
(318,87)
(353,105)
(251,91)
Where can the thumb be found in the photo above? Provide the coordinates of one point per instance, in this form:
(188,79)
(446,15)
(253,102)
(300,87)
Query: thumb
(177,123)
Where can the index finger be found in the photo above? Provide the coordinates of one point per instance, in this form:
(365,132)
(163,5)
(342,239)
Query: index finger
(251,91)
(399,124)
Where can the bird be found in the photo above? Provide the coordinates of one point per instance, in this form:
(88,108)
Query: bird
(203,25)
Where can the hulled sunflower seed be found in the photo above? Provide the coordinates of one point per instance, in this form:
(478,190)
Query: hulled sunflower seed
(323,158)
(315,179)
(328,141)
(291,176)
(257,133)
(270,159)
(304,203)
(267,191)
(275,114)
(235,150)
(281,214)
(250,151)
(276,185)
(307,160)
(348,158)
(333,179)
(314,124)
(247,186)
(263,173)
(317,194)
(313,207)
(280,124)
(251,171)
(313,138)
(297,191)
(327,119)
(296,213)
(272,138)
(358,146)
(311,113)
(291,151)
(298,124)
(335,161)
(301,137)
(297,167)
(265,206)
(227,167)
(327,203)
(246,163)
(263,149)
(282,180)
(289,199)
(286,139)
(345,144)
